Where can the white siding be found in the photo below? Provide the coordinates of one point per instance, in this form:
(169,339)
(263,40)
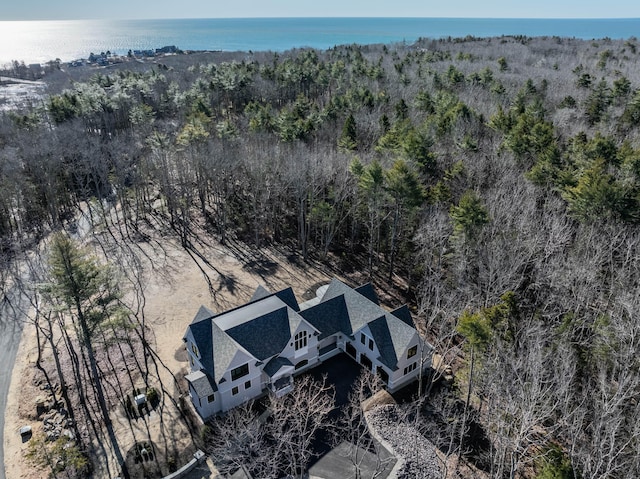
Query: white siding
(421,358)
(364,349)
(308,353)
(203,406)
(194,359)
(226,388)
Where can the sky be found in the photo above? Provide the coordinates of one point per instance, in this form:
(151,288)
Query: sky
(137,9)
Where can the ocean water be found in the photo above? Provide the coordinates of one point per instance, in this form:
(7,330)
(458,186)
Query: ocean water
(41,41)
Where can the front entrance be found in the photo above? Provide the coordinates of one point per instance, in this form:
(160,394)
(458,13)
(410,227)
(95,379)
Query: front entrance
(282,386)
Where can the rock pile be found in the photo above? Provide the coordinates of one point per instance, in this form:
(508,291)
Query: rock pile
(55,418)
(420,459)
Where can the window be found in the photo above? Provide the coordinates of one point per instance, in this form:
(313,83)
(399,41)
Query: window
(239,372)
(301,340)
(363,338)
(371,344)
(234,390)
(192,361)
(410,368)
(211,398)
(194,348)
(247,385)
(302,364)
(412,352)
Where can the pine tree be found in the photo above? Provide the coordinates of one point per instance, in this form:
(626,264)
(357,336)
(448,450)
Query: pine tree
(89,293)
(407,193)
(349,137)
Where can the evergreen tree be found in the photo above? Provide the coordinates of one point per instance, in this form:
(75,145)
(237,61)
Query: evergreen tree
(349,139)
(89,293)
(406,192)
(468,216)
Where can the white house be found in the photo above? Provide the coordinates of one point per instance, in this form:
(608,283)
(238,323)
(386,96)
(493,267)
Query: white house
(240,354)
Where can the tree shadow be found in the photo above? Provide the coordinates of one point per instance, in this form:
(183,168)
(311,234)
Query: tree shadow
(262,266)
(181,354)
(141,460)
(201,471)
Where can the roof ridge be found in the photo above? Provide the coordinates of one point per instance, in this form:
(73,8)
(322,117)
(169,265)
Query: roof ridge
(244,305)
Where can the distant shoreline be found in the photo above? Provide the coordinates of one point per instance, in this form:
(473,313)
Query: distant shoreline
(40,42)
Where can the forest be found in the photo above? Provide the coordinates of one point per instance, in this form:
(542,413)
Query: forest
(493,182)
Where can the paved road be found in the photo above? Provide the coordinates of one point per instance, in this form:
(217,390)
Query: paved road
(10,332)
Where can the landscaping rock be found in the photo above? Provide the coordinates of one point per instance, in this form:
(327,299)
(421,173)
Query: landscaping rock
(417,451)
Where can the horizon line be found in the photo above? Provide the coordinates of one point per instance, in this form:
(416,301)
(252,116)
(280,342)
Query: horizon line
(314,17)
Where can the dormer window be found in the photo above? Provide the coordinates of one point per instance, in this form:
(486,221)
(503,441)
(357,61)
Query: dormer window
(300,340)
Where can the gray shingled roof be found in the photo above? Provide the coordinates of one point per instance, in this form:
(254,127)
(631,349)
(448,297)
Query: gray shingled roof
(392,337)
(201,330)
(404,314)
(202,314)
(391,334)
(203,338)
(329,317)
(261,292)
(264,336)
(361,310)
(401,334)
(295,318)
(275,364)
(264,326)
(286,295)
(289,298)
(202,383)
(368,292)
(224,350)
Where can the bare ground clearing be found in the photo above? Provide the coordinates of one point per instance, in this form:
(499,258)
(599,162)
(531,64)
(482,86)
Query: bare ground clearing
(176,282)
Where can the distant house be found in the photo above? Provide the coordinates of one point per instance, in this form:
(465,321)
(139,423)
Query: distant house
(259,347)
(167,49)
(144,53)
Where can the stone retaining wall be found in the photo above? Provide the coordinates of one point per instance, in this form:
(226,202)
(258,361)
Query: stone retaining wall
(198,457)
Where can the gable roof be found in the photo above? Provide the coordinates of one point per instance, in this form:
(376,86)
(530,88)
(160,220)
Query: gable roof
(404,314)
(329,317)
(277,363)
(201,383)
(360,309)
(289,298)
(203,338)
(224,350)
(357,308)
(260,292)
(203,314)
(392,337)
(265,335)
(286,295)
(263,327)
(368,292)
